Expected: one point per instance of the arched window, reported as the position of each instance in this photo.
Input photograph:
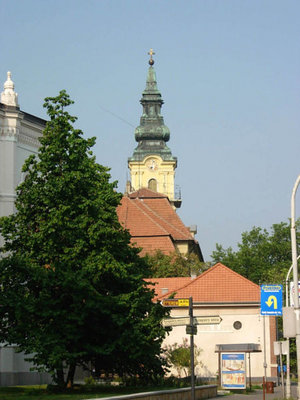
(152, 185)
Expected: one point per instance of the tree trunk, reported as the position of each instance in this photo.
(71, 373)
(60, 378)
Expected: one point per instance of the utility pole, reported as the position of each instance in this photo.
(295, 277)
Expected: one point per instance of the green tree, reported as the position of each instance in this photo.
(72, 287)
(262, 256)
(179, 356)
(174, 264)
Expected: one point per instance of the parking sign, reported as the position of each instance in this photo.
(271, 299)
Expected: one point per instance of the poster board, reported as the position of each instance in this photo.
(233, 370)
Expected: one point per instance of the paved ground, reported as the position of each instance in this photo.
(258, 395)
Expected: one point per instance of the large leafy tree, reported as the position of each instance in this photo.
(72, 288)
(174, 264)
(262, 256)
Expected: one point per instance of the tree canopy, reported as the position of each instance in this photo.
(72, 288)
(174, 265)
(262, 256)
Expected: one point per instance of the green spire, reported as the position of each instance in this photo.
(152, 134)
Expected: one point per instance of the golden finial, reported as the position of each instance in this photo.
(151, 53)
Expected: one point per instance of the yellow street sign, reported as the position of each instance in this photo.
(175, 302)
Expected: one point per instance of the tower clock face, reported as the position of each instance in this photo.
(152, 164)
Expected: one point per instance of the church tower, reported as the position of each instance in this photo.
(152, 165)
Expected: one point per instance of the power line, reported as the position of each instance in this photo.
(115, 115)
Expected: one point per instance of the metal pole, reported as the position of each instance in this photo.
(265, 361)
(288, 376)
(281, 369)
(295, 277)
(250, 384)
(192, 348)
(288, 379)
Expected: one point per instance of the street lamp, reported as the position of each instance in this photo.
(295, 278)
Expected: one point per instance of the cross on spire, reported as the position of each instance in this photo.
(151, 53)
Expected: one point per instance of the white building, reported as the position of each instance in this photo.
(230, 306)
(19, 132)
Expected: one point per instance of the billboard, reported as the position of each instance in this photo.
(233, 370)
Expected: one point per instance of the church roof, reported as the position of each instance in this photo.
(219, 284)
(152, 221)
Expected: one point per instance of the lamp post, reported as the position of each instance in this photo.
(295, 278)
(288, 379)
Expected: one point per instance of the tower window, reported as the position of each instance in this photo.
(152, 185)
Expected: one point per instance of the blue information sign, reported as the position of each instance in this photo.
(271, 299)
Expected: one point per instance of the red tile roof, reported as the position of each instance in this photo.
(219, 284)
(152, 222)
(169, 284)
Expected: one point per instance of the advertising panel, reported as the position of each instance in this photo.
(233, 370)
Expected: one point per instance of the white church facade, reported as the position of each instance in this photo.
(19, 132)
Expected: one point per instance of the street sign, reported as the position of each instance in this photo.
(292, 293)
(191, 330)
(281, 348)
(271, 299)
(181, 321)
(175, 302)
(289, 322)
(176, 321)
(209, 320)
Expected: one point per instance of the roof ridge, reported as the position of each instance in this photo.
(155, 195)
(209, 270)
(167, 222)
(235, 273)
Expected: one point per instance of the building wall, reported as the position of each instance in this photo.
(14, 370)
(19, 134)
(252, 331)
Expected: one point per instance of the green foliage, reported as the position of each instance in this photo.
(179, 356)
(174, 265)
(262, 256)
(72, 286)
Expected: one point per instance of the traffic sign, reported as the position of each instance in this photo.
(271, 299)
(191, 330)
(181, 321)
(175, 302)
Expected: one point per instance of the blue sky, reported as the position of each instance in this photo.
(228, 71)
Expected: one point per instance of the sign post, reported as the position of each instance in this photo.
(192, 347)
(270, 304)
(191, 323)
